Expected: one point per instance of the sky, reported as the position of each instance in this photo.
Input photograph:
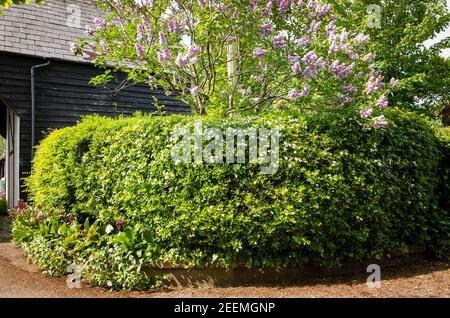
(440, 36)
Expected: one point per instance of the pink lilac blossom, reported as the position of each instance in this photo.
(393, 82)
(374, 84)
(366, 113)
(380, 122)
(195, 90)
(361, 38)
(383, 101)
(367, 58)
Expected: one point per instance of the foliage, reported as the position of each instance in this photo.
(5, 4)
(235, 56)
(399, 46)
(341, 192)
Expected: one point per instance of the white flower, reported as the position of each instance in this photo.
(109, 229)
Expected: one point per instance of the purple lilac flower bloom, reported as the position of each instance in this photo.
(320, 64)
(89, 55)
(100, 23)
(393, 82)
(383, 102)
(279, 41)
(310, 58)
(195, 90)
(305, 91)
(367, 58)
(201, 3)
(324, 10)
(164, 55)
(361, 38)
(380, 122)
(259, 53)
(305, 41)
(255, 100)
(374, 84)
(283, 5)
(330, 28)
(315, 25)
(162, 39)
(350, 89)
(139, 50)
(265, 30)
(293, 94)
(266, 10)
(366, 113)
(140, 32)
(181, 60)
(312, 4)
(193, 51)
(296, 68)
(252, 6)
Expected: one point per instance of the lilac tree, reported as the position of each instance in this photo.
(233, 55)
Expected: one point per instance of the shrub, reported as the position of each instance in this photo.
(341, 192)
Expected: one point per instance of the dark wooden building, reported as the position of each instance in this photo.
(38, 37)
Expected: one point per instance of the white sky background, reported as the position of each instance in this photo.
(440, 36)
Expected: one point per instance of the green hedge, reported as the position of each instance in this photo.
(341, 192)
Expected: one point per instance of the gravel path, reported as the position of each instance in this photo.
(423, 279)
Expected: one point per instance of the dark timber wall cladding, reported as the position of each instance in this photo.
(63, 95)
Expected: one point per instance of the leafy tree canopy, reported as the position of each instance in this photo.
(398, 44)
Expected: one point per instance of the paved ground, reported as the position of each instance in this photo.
(423, 279)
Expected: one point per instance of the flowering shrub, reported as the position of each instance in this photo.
(234, 55)
(340, 193)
